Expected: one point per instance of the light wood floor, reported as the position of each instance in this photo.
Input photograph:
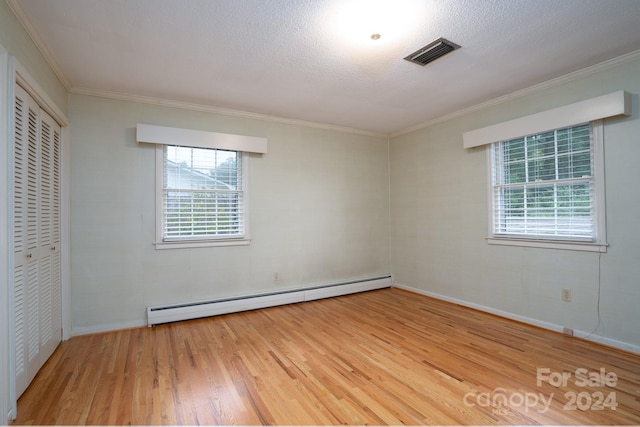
(381, 357)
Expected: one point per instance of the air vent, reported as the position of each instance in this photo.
(432, 51)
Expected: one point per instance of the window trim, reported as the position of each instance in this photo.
(598, 244)
(160, 243)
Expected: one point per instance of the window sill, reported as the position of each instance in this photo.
(549, 244)
(202, 243)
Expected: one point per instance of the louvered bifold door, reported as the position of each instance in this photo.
(48, 238)
(25, 219)
(56, 237)
(36, 238)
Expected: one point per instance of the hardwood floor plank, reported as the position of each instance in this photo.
(380, 357)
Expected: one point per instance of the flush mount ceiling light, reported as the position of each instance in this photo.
(434, 50)
(359, 22)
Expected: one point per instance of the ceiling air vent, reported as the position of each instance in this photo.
(432, 51)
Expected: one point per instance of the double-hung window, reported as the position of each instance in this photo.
(202, 194)
(544, 185)
(201, 185)
(546, 175)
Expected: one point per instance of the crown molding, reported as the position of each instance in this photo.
(31, 30)
(629, 57)
(26, 23)
(28, 83)
(28, 26)
(121, 96)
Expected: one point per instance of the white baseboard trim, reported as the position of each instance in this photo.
(107, 327)
(531, 321)
(172, 313)
(247, 302)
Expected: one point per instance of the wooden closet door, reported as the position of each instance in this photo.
(36, 238)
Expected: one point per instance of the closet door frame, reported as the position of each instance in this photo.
(18, 75)
(5, 194)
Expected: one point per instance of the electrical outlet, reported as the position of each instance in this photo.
(276, 276)
(567, 331)
(566, 295)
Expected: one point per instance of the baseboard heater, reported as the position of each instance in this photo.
(174, 313)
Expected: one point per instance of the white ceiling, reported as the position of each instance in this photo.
(287, 58)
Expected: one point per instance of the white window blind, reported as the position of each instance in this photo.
(544, 186)
(202, 194)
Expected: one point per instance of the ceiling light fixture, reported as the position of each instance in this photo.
(358, 22)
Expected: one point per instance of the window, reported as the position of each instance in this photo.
(201, 185)
(202, 199)
(202, 194)
(545, 187)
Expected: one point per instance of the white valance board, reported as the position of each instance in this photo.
(163, 135)
(601, 107)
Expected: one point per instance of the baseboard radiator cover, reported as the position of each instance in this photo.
(175, 313)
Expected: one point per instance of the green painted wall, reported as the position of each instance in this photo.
(319, 214)
(439, 214)
(18, 44)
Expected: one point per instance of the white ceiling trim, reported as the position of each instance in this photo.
(629, 57)
(28, 83)
(50, 59)
(37, 40)
(120, 96)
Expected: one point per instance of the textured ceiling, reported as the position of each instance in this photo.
(289, 58)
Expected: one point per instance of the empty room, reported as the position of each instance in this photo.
(319, 212)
